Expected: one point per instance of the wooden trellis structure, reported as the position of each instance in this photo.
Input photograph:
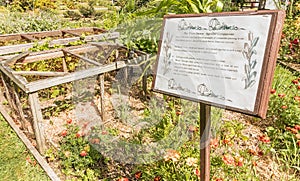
(58, 37)
(250, 4)
(94, 66)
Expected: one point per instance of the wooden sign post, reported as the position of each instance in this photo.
(204, 143)
(225, 60)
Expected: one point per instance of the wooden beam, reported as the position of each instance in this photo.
(43, 34)
(55, 53)
(4, 50)
(20, 81)
(291, 68)
(102, 37)
(28, 37)
(102, 91)
(37, 121)
(101, 44)
(80, 31)
(43, 84)
(82, 57)
(95, 29)
(53, 33)
(69, 32)
(10, 37)
(29, 146)
(40, 73)
(14, 59)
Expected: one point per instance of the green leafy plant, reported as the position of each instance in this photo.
(19, 22)
(140, 33)
(74, 14)
(26, 5)
(161, 8)
(78, 157)
(290, 49)
(87, 10)
(284, 111)
(284, 99)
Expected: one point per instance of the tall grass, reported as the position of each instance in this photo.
(16, 163)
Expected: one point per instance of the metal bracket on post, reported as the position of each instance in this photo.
(205, 123)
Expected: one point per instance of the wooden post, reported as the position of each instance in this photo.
(37, 119)
(13, 100)
(24, 122)
(101, 82)
(8, 95)
(144, 85)
(204, 143)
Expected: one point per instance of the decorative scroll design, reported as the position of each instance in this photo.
(201, 90)
(213, 25)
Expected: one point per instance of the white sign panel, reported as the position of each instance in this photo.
(213, 59)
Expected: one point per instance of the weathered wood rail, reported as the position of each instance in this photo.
(59, 37)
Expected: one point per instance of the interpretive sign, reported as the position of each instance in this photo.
(221, 59)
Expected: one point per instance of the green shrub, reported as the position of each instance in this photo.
(20, 22)
(86, 10)
(162, 7)
(74, 14)
(284, 101)
(25, 5)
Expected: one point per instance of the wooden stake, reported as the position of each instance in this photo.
(37, 119)
(205, 124)
(101, 82)
(144, 85)
(24, 122)
(65, 67)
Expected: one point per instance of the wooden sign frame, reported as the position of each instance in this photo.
(268, 57)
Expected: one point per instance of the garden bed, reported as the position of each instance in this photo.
(16, 43)
(31, 72)
(55, 74)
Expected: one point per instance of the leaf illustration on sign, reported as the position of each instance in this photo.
(167, 53)
(249, 67)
